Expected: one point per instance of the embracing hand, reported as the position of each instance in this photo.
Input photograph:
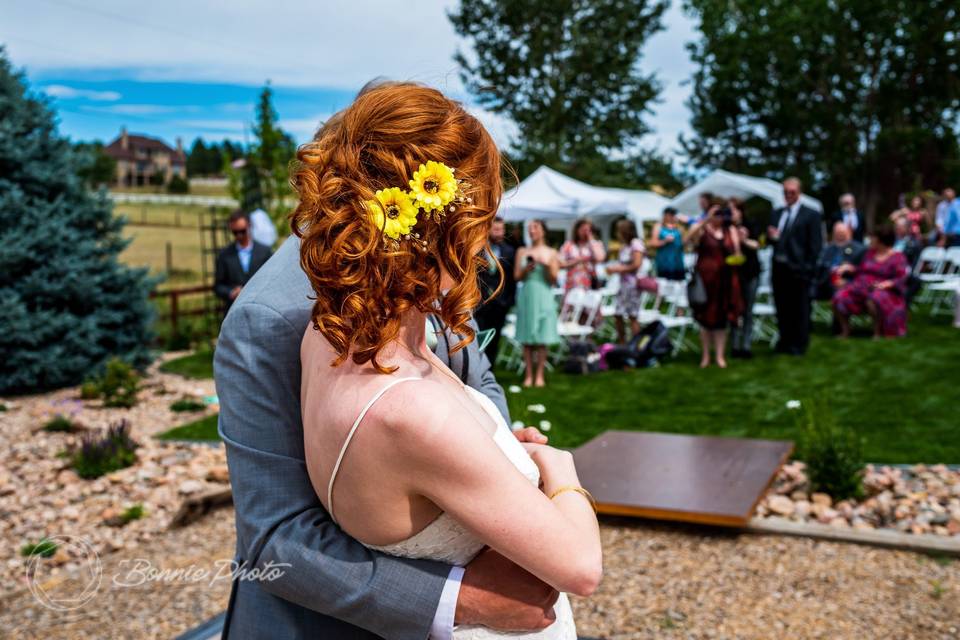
(499, 594)
(531, 435)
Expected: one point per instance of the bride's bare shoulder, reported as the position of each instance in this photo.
(416, 415)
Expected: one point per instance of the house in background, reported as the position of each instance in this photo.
(142, 160)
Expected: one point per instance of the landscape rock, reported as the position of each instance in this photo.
(822, 499)
(781, 505)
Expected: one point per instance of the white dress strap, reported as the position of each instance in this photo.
(353, 430)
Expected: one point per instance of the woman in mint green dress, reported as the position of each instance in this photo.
(536, 267)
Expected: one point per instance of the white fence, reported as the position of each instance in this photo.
(170, 198)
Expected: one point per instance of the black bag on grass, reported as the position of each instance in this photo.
(582, 358)
(648, 346)
(653, 341)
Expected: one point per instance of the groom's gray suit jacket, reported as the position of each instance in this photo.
(334, 587)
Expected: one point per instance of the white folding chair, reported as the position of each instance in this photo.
(945, 292)
(764, 286)
(510, 352)
(578, 315)
(676, 318)
(765, 322)
(650, 304)
(929, 269)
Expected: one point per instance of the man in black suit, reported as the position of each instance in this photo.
(850, 216)
(237, 263)
(796, 232)
(493, 314)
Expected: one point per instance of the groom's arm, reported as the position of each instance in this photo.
(278, 516)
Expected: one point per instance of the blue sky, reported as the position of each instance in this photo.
(183, 68)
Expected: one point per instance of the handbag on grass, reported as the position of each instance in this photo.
(696, 291)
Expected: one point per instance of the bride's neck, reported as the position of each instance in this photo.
(413, 331)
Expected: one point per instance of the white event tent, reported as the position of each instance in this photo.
(559, 200)
(734, 185)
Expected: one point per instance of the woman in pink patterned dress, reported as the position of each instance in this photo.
(916, 214)
(580, 256)
(878, 288)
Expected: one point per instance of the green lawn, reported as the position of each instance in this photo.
(195, 365)
(901, 395)
(202, 429)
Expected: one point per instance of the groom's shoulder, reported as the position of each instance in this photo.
(279, 291)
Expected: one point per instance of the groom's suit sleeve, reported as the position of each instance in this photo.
(278, 515)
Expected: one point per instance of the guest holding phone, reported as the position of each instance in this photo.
(536, 267)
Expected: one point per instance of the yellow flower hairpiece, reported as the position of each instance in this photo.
(433, 190)
(393, 212)
(433, 186)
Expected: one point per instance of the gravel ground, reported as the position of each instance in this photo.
(661, 581)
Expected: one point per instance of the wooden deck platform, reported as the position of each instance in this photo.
(707, 480)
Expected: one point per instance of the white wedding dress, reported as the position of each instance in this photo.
(446, 541)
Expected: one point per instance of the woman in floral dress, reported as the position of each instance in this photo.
(580, 256)
(878, 288)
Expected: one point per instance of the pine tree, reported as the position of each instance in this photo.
(271, 154)
(66, 303)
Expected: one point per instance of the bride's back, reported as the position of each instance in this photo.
(353, 417)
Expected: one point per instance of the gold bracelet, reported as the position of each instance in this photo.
(580, 490)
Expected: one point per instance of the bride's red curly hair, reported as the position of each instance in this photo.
(362, 287)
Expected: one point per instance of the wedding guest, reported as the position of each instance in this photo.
(667, 238)
(492, 314)
(741, 334)
(951, 230)
(943, 214)
(906, 243)
(705, 200)
(716, 241)
(580, 256)
(237, 262)
(841, 250)
(850, 216)
(536, 267)
(878, 288)
(916, 214)
(796, 232)
(628, 264)
(910, 246)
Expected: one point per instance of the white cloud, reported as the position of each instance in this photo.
(303, 128)
(314, 44)
(235, 127)
(501, 128)
(69, 93)
(142, 109)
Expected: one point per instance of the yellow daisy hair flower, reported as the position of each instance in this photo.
(433, 186)
(393, 211)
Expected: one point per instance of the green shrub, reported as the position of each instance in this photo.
(3, 407)
(59, 423)
(178, 185)
(834, 455)
(45, 548)
(90, 389)
(118, 385)
(134, 512)
(186, 404)
(99, 455)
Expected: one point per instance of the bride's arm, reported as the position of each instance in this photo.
(441, 452)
